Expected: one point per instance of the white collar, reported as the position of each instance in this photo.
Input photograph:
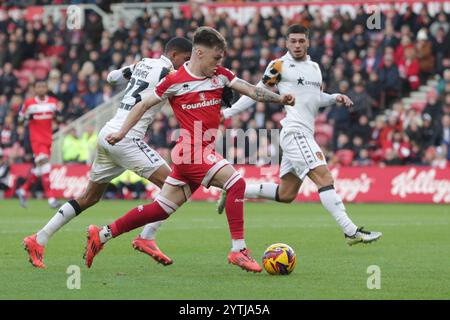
(41, 101)
(289, 56)
(190, 73)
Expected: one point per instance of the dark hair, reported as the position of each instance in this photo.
(178, 44)
(297, 28)
(209, 37)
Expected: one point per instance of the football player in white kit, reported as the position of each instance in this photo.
(295, 72)
(132, 153)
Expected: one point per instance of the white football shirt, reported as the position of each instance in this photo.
(146, 74)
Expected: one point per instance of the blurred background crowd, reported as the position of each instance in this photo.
(375, 68)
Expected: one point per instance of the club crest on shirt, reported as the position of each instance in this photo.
(319, 155)
(202, 96)
(215, 82)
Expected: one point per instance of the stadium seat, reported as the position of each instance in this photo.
(29, 64)
(326, 129)
(46, 64)
(40, 73)
(345, 157)
(321, 118)
(23, 82)
(322, 139)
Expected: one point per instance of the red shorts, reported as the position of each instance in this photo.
(194, 175)
(41, 150)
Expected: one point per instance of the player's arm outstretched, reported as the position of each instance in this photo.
(133, 117)
(327, 100)
(242, 104)
(261, 94)
(271, 78)
(120, 76)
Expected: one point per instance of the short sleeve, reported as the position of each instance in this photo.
(227, 75)
(272, 75)
(166, 87)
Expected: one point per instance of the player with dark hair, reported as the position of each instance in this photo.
(194, 93)
(302, 156)
(39, 112)
(131, 154)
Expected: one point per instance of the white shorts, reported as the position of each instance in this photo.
(301, 153)
(129, 154)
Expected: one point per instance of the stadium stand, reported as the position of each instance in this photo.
(398, 76)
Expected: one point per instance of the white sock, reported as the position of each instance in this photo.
(149, 232)
(238, 245)
(63, 216)
(261, 190)
(105, 234)
(333, 203)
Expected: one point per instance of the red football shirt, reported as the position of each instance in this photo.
(195, 101)
(40, 114)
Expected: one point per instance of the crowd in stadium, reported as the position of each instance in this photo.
(375, 68)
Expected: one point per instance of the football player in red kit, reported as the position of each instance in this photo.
(39, 112)
(194, 92)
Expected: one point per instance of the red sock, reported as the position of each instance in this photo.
(46, 185)
(138, 217)
(32, 179)
(234, 208)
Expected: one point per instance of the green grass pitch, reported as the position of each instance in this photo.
(413, 255)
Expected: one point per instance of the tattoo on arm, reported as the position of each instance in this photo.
(259, 93)
(265, 95)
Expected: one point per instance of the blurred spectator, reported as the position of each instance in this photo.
(88, 145)
(376, 69)
(409, 71)
(4, 174)
(429, 132)
(93, 27)
(374, 89)
(443, 134)
(429, 156)
(389, 79)
(441, 48)
(127, 186)
(416, 155)
(433, 108)
(414, 133)
(71, 147)
(389, 39)
(8, 80)
(8, 134)
(362, 129)
(157, 135)
(362, 101)
(425, 55)
(93, 97)
(397, 148)
(371, 60)
(362, 158)
(440, 23)
(441, 159)
(260, 114)
(343, 142)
